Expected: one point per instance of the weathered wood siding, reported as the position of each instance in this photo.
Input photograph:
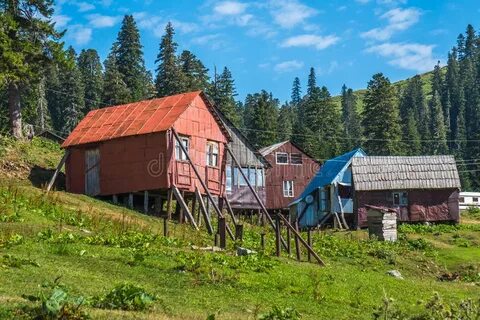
(299, 174)
(423, 205)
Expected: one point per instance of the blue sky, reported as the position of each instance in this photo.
(268, 43)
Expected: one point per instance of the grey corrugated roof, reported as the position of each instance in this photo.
(267, 150)
(397, 173)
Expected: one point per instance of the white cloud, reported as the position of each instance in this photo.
(410, 56)
(205, 39)
(157, 24)
(288, 14)
(81, 35)
(229, 8)
(84, 6)
(311, 40)
(397, 20)
(288, 66)
(101, 21)
(61, 20)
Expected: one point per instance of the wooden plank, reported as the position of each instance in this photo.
(278, 235)
(57, 170)
(342, 214)
(203, 210)
(130, 200)
(230, 211)
(92, 172)
(184, 206)
(297, 243)
(222, 228)
(145, 201)
(169, 204)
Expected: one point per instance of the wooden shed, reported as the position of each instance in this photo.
(290, 172)
(251, 162)
(137, 147)
(422, 188)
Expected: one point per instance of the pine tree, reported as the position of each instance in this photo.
(28, 42)
(169, 78)
(285, 120)
(350, 119)
(454, 91)
(129, 60)
(470, 42)
(381, 118)
(312, 81)
(195, 73)
(261, 114)
(43, 119)
(296, 92)
(413, 145)
(437, 126)
(223, 93)
(115, 90)
(92, 76)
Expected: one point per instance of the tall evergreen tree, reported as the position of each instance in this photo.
(92, 76)
(296, 92)
(115, 90)
(437, 126)
(223, 93)
(43, 119)
(312, 81)
(130, 63)
(261, 114)
(28, 42)
(169, 78)
(381, 118)
(285, 122)
(350, 119)
(195, 73)
(454, 90)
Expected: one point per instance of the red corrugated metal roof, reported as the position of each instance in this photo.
(136, 118)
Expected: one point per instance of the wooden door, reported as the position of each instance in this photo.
(92, 172)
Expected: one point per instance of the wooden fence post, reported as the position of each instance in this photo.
(297, 243)
(262, 241)
(289, 246)
(278, 235)
(222, 231)
(165, 226)
(309, 241)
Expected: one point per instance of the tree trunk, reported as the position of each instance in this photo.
(15, 110)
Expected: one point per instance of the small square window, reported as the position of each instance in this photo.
(475, 199)
(212, 154)
(296, 158)
(288, 189)
(282, 157)
(461, 200)
(400, 199)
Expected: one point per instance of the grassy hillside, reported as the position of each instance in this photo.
(63, 243)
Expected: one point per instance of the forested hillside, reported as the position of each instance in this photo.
(44, 85)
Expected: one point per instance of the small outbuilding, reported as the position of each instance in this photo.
(421, 189)
(290, 172)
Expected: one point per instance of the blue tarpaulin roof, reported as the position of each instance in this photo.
(329, 171)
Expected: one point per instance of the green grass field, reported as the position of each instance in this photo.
(91, 246)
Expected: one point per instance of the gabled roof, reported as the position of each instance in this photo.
(143, 117)
(401, 173)
(231, 127)
(330, 170)
(267, 150)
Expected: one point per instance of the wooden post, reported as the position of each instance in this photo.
(115, 199)
(169, 204)
(309, 241)
(165, 226)
(130, 200)
(289, 247)
(57, 170)
(145, 201)
(262, 241)
(278, 235)
(239, 232)
(203, 211)
(194, 207)
(297, 244)
(184, 206)
(222, 224)
(158, 206)
(181, 213)
(230, 211)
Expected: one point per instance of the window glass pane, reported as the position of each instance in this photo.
(396, 199)
(251, 176)
(461, 199)
(288, 188)
(228, 173)
(241, 180)
(282, 157)
(296, 158)
(260, 178)
(179, 154)
(475, 199)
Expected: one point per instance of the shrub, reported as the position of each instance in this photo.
(281, 314)
(125, 296)
(473, 212)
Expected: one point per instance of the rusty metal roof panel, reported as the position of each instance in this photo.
(142, 117)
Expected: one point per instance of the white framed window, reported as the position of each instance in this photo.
(229, 178)
(179, 154)
(241, 181)
(260, 178)
(400, 199)
(212, 154)
(475, 199)
(281, 157)
(296, 158)
(288, 189)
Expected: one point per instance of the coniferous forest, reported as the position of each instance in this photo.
(44, 85)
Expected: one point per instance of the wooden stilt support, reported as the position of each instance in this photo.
(309, 241)
(184, 206)
(278, 235)
(115, 199)
(158, 206)
(289, 246)
(239, 232)
(230, 211)
(203, 211)
(262, 241)
(165, 226)
(297, 243)
(145, 201)
(57, 170)
(130, 200)
(169, 204)
(222, 231)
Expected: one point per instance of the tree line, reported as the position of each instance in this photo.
(47, 86)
